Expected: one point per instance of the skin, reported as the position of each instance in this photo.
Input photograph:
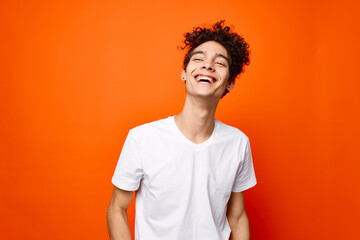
(196, 122)
(237, 217)
(117, 221)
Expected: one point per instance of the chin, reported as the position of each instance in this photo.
(205, 95)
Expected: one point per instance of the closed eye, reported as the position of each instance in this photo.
(220, 63)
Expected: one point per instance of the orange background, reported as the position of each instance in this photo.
(77, 75)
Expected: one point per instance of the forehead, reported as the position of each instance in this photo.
(212, 47)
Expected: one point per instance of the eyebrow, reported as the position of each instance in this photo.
(218, 55)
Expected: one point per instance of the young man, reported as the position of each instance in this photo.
(189, 171)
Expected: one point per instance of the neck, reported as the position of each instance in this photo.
(196, 120)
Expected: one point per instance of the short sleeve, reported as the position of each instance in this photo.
(128, 172)
(245, 177)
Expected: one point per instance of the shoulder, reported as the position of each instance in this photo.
(233, 133)
(151, 128)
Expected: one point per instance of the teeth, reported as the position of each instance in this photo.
(204, 78)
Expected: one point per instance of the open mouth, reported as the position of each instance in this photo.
(205, 79)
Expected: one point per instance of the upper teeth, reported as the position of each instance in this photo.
(198, 78)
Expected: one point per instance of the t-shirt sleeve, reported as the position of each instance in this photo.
(129, 172)
(245, 177)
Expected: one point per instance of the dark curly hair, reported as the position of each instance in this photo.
(235, 45)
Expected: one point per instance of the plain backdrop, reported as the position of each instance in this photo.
(77, 75)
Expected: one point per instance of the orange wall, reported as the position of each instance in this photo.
(77, 75)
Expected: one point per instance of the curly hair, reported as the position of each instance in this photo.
(235, 45)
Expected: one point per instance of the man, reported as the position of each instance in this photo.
(189, 170)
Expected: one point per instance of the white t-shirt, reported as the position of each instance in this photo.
(182, 187)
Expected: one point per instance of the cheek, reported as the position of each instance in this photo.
(225, 74)
(190, 68)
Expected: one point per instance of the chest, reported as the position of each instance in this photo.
(172, 168)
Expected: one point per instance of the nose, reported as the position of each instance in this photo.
(208, 66)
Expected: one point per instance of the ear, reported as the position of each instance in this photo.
(183, 75)
(231, 85)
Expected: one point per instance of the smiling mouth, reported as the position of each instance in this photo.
(205, 79)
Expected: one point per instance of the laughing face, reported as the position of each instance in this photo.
(207, 72)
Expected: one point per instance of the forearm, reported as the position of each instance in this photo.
(240, 229)
(118, 226)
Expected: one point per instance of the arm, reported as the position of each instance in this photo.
(117, 222)
(237, 217)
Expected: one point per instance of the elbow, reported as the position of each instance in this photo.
(115, 210)
(238, 219)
